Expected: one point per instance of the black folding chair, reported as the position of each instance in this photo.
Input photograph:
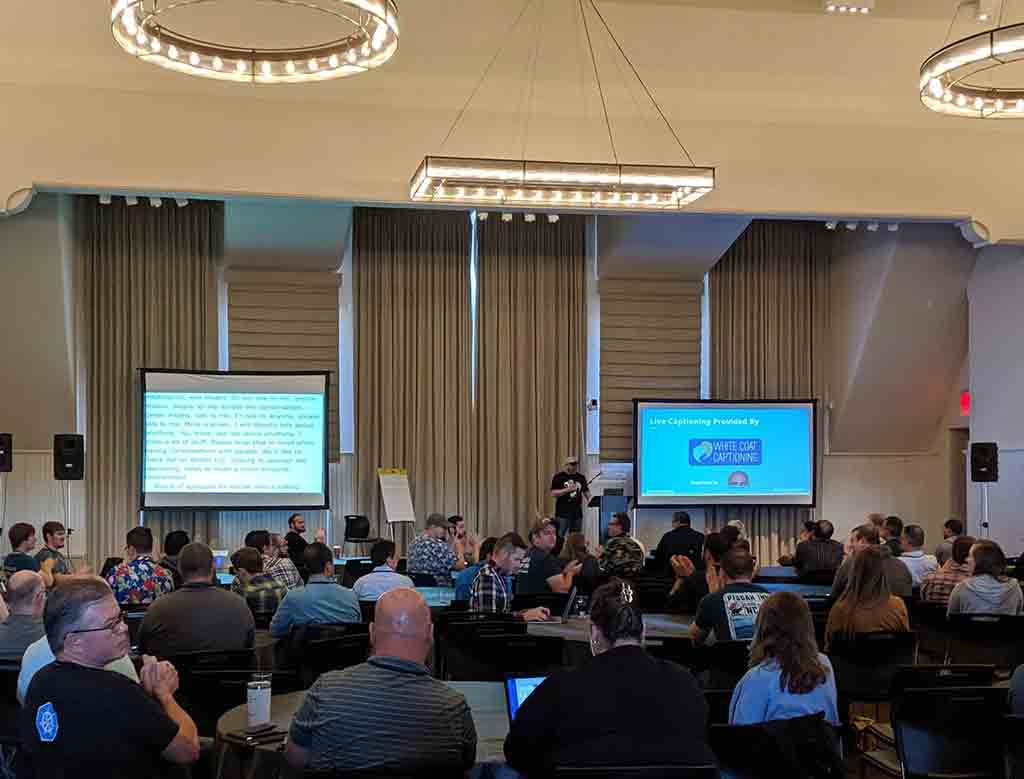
(211, 683)
(805, 747)
(1013, 739)
(950, 731)
(909, 677)
(423, 579)
(866, 664)
(992, 639)
(316, 649)
(488, 655)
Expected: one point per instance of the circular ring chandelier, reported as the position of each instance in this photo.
(946, 76)
(137, 28)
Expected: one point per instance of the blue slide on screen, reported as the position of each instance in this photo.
(706, 453)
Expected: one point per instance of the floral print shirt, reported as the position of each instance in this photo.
(140, 581)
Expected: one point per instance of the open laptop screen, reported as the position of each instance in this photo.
(517, 690)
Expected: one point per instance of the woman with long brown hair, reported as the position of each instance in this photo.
(575, 548)
(788, 677)
(867, 605)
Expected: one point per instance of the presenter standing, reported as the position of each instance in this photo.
(569, 489)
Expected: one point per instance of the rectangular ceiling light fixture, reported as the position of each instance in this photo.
(561, 185)
(852, 8)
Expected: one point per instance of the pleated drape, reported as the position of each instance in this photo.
(413, 357)
(769, 301)
(532, 362)
(145, 293)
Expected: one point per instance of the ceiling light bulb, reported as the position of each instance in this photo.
(894, 228)
(482, 216)
(842, 9)
(579, 196)
(948, 97)
(979, 103)
(1020, 105)
(936, 88)
(377, 44)
(366, 49)
(154, 45)
(865, 10)
(141, 38)
(506, 217)
(172, 52)
(265, 67)
(530, 217)
(240, 67)
(193, 59)
(961, 100)
(181, 201)
(105, 200)
(333, 60)
(519, 194)
(499, 193)
(872, 227)
(311, 65)
(480, 192)
(461, 192)
(552, 218)
(218, 63)
(983, 17)
(290, 66)
(851, 226)
(156, 202)
(831, 9)
(831, 225)
(131, 200)
(351, 55)
(999, 105)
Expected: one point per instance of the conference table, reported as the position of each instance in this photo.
(578, 628)
(776, 573)
(264, 759)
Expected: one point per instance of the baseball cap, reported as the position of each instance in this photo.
(437, 520)
(572, 459)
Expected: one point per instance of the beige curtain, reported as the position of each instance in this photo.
(769, 301)
(531, 364)
(413, 357)
(146, 298)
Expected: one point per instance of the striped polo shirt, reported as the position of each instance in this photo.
(386, 713)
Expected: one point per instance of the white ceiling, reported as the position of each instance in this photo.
(802, 112)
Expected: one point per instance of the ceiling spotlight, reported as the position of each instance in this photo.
(530, 217)
(181, 201)
(894, 228)
(552, 218)
(482, 216)
(831, 225)
(156, 202)
(131, 200)
(872, 227)
(984, 10)
(851, 225)
(849, 8)
(104, 200)
(506, 217)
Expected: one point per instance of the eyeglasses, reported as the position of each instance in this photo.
(111, 626)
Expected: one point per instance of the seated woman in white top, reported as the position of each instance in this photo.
(788, 677)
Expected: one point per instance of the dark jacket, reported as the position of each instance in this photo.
(624, 707)
(679, 540)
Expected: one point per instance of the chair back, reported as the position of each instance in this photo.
(133, 616)
(996, 639)
(1013, 738)
(423, 579)
(9, 706)
(718, 702)
(727, 661)
(934, 676)
(805, 747)
(636, 772)
(487, 655)
(866, 663)
(950, 731)
(357, 527)
(317, 649)
(367, 609)
(555, 602)
(211, 683)
(354, 569)
(823, 578)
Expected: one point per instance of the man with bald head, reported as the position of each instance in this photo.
(348, 720)
(26, 596)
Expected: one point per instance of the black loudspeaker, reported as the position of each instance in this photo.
(985, 462)
(68, 457)
(6, 452)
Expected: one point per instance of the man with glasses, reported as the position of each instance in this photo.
(80, 719)
(545, 572)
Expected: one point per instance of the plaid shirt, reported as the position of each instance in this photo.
(936, 586)
(283, 571)
(139, 581)
(489, 592)
(262, 593)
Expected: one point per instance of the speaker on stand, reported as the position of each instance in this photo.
(984, 471)
(6, 466)
(68, 466)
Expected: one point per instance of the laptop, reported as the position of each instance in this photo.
(517, 690)
(564, 616)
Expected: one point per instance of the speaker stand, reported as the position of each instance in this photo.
(69, 531)
(984, 530)
(3, 506)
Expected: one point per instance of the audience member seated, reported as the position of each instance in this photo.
(788, 677)
(918, 563)
(80, 720)
(384, 576)
(200, 617)
(728, 611)
(261, 592)
(867, 604)
(819, 554)
(741, 530)
(491, 591)
(39, 655)
(322, 601)
(23, 540)
(988, 590)
(138, 580)
(575, 549)
(389, 713)
(544, 572)
(952, 529)
(896, 573)
(730, 534)
(891, 535)
(680, 540)
(622, 556)
(276, 562)
(691, 582)
(465, 577)
(173, 544)
(937, 586)
(806, 534)
(26, 596)
(624, 707)
(465, 545)
(432, 553)
(54, 539)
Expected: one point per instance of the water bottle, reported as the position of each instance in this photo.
(258, 701)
